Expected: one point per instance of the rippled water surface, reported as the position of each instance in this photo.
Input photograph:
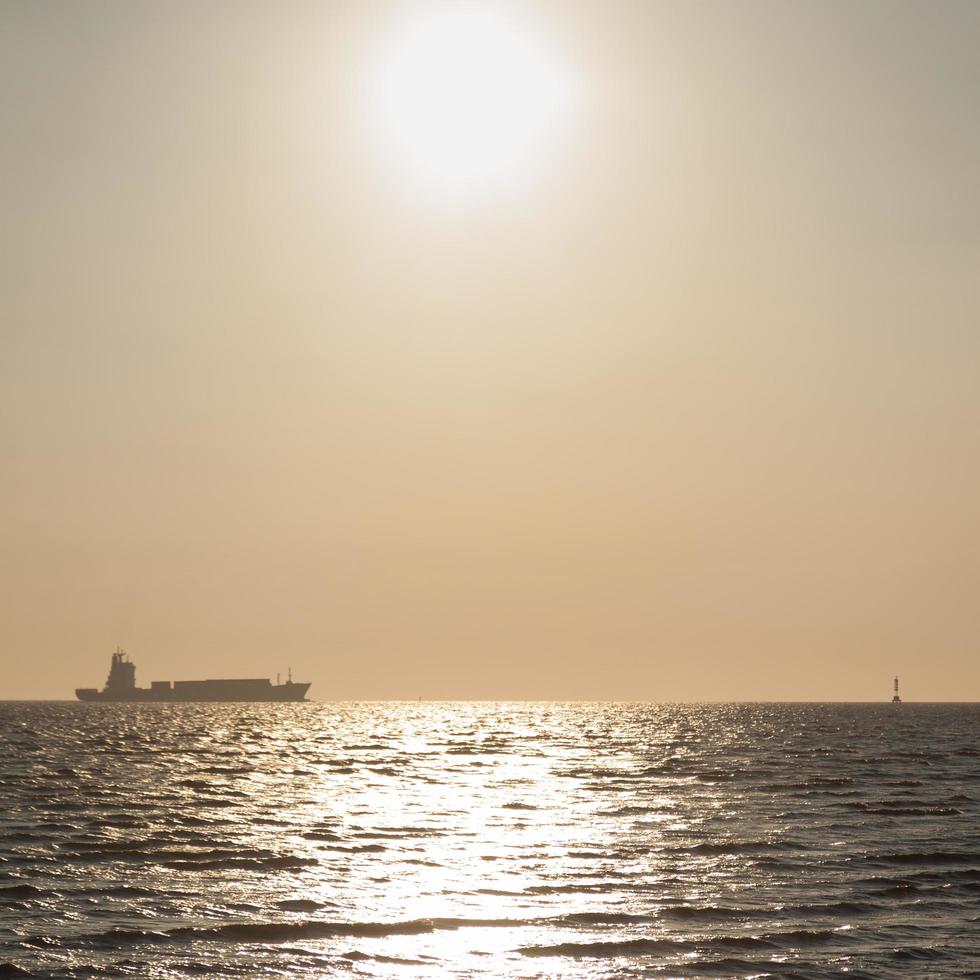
(502, 840)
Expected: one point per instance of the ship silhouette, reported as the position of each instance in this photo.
(121, 686)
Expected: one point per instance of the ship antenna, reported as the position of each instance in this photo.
(290, 675)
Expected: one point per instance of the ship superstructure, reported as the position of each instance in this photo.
(121, 686)
(895, 698)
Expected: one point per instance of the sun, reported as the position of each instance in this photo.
(466, 97)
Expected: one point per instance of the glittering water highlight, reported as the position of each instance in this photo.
(486, 839)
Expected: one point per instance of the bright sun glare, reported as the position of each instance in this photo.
(466, 96)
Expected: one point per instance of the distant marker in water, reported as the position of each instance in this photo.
(896, 699)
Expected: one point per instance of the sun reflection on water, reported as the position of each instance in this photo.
(475, 839)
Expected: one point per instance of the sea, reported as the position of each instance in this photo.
(489, 840)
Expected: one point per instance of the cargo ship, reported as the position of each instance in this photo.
(121, 686)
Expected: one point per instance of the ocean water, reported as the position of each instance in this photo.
(482, 839)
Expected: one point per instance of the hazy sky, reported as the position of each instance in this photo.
(681, 403)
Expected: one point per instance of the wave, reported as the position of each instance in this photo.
(741, 847)
(628, 947)
(674, 947)
(245, 932)
(924, 857)
(280, 932)
(21, 891)
(716, 913)
(703, 913)
(242, 864)
(356, 956)
(12, 970)
(299, 905)
(571, 889)
(920, 953)
(119, 891)
(894, 811)
(264, 932)
(600, 919)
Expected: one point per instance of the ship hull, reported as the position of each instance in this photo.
(274, 693)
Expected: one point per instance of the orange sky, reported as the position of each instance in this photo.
(682, 405)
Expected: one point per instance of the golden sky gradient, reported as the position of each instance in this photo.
(679, 403)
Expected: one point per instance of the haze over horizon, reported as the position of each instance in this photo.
(668, 393)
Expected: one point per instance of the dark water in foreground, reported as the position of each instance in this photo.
(500, 840)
